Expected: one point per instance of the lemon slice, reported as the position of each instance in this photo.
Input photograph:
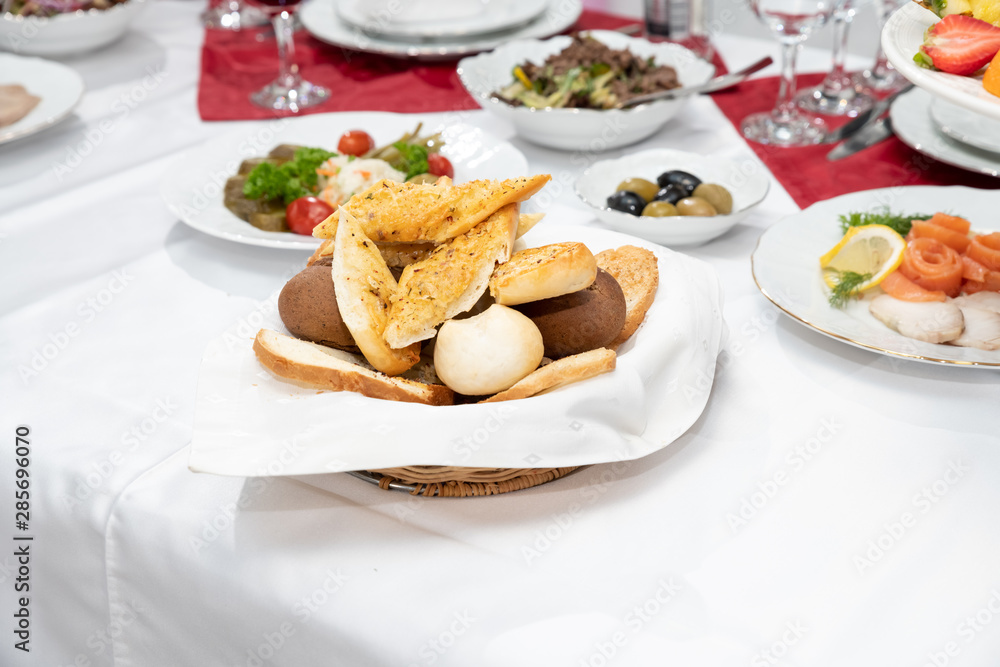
(872, 249)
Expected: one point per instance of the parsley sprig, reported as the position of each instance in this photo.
(289, 181)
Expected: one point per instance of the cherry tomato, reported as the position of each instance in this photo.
(305, 213)
(439, 165)
(355, 142)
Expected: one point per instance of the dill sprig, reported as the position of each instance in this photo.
(899, 222)
(847, 287)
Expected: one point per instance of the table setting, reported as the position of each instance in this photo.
(605, 331)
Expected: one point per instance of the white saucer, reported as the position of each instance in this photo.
(320, 18)
(969, 127)
(59, 87)
(911, 120)
(438, 19)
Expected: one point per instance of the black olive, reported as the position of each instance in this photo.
(672, 193)
(627, 202)
(677, 177)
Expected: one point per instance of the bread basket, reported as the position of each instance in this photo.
(459, 482)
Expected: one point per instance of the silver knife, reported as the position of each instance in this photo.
(878, 131)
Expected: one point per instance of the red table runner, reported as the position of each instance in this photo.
(809, 177)
(236, 63)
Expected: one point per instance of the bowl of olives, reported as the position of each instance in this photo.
(672, 197)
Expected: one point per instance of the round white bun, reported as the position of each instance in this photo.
(487, 353)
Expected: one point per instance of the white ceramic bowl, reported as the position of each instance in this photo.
(746, 180)
(579, 129)
(73, 32)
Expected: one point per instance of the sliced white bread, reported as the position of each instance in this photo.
(336, 370)
(558, 373)
(637, 273)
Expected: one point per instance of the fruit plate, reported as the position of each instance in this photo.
(192, 186)
(901, 39)
(785, 266)
(249, 423)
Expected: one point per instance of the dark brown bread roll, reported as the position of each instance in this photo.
(581, 321)
(308, 307)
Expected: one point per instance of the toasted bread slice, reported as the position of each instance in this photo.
(544, 272)
(391, 212)
(364, 289)
(336, 370)
(558, 373)
(637, 273)
(527, 221)
(325, 249)
(451, 280)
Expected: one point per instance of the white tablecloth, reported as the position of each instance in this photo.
(831, 507)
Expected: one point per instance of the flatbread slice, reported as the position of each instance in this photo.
(364, 288)
(637, 273)
(451, 280)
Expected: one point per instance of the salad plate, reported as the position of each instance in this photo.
(193, 186)
(322, 20)
(785, 266)
(59, 87)
(914, 125)
(901, 39)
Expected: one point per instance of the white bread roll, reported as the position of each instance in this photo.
(487, 353)
(542, 273)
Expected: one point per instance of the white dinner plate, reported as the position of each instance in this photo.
(437, 19)
(248, 422)
(192, 186)
(966, 126)
(901, 39)
(59, 87)
(912, 122)
(320, 18)
(785, 266)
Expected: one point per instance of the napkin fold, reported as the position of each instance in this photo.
(236, 63)
(809, 177)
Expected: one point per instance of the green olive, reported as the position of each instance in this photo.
(422, 178)
(660, 209)
(717, 196)
(645, 189)
(695, 206)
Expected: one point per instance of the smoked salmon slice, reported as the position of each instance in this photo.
(955, 240)
(899, 286)
(933, 265)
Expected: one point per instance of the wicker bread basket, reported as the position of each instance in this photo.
(458, 482)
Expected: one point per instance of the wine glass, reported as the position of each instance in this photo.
(289, 92)
(233, 15)
(882, 77)
(836, 95)
(792, 21)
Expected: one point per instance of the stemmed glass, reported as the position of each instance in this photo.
(882, 77)
(792, 21)
(836, 95)
(289, 92)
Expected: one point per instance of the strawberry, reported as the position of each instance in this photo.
(959, 44)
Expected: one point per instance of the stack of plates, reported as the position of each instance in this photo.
(947, 132)
(435, 29)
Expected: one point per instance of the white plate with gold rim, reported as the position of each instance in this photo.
(785, 267)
